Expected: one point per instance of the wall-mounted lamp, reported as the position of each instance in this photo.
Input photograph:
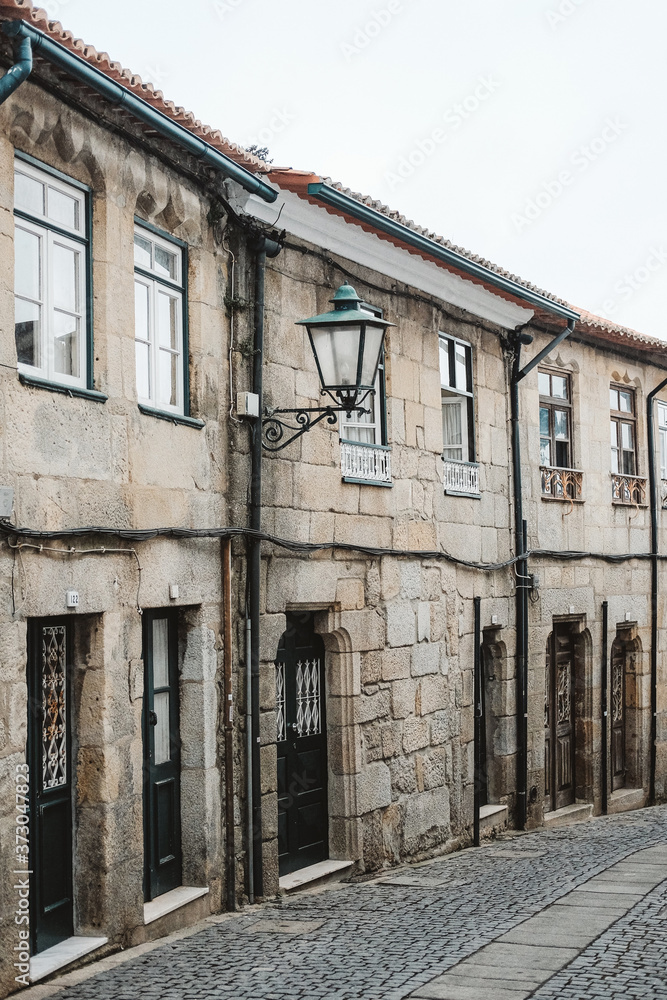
(347, 345)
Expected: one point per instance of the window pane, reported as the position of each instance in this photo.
(563, 454)
(167, 378)
(662, 415)
(142, 357)
(65, 278)
(626, 437)
(545, 451)
(65, 344)
(27, 264)
(614, 459)
(452, 427)
(544, 420)
(613, 399)
(167, 321)
(143, 255)
(161, 728)
(363, 434)
(460, 367)
(626, 402)
(62, 209)
(28, 194)
(543, 384)
(560, 423)
(628, 463)
(27, 333)
(444, 362)
(559, 387)
(166, 263)
(141, 311)
(663, 454)
(160, 653)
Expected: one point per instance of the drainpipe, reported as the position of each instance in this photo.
(477, 699)
(521, 615)
(653, 500)
(263, 248)
(17, 73)
(229, 725)
(120, 96)
(604, 686)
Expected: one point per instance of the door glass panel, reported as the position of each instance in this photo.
(308, 714)
(54, 707)
(28, 194)
(160, 653)
(161, 728)
(563, 454)
(27, 264)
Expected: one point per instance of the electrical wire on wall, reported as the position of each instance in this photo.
(72, 551)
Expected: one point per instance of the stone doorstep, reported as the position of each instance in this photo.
(170, 901)
(625, 799)
(323, 871)
(492, 817)
(576, 813)
(64, 953)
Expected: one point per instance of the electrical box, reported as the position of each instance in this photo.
(72, 599)
(247, 404)
(6, 501)
(173, 591)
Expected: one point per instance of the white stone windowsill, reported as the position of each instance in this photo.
(312, 874)
(170, 901)
(62, 954)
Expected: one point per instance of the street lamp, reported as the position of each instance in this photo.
(347, 345)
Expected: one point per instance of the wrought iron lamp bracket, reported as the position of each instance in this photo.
(305, 417)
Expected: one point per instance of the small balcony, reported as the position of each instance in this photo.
(561, 484)
(628, 490)
(461, 478)
(365, 463)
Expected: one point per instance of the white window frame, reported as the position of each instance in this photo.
(158, 284)
(455, 395)
(662, 433)
(375, 401)
(50, 234)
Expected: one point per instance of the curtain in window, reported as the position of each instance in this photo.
(452, 430)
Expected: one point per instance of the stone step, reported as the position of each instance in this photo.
(576, 813)
(492, 819)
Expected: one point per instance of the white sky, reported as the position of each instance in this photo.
(552, 165)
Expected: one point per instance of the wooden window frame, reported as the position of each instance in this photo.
(617, 418)
(553, 403)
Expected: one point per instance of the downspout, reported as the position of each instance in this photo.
(604, 688)
(17, 73)
(521, 548)
(230, 850)
(477, 699)
(263, 248)
(120, 96)
(653, 502)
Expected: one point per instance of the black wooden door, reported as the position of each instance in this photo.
(559, 719)
(617, 716)
(50, 773)
(303, 837)
(162, 757)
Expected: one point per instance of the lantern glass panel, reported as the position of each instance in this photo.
(337, 350)
(372, 348)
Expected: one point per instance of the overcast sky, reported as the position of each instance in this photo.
(532, 132)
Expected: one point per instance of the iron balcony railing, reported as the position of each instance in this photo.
(629, 490)
(561, 484)
(461, 477)
(366, 463)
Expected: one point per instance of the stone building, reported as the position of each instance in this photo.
(200, 709)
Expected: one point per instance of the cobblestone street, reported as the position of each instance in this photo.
(390, 937)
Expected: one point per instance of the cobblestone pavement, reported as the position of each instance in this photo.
(382, 939)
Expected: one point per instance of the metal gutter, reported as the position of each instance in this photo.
(337, 199)
(120, 96)
(17, 73)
